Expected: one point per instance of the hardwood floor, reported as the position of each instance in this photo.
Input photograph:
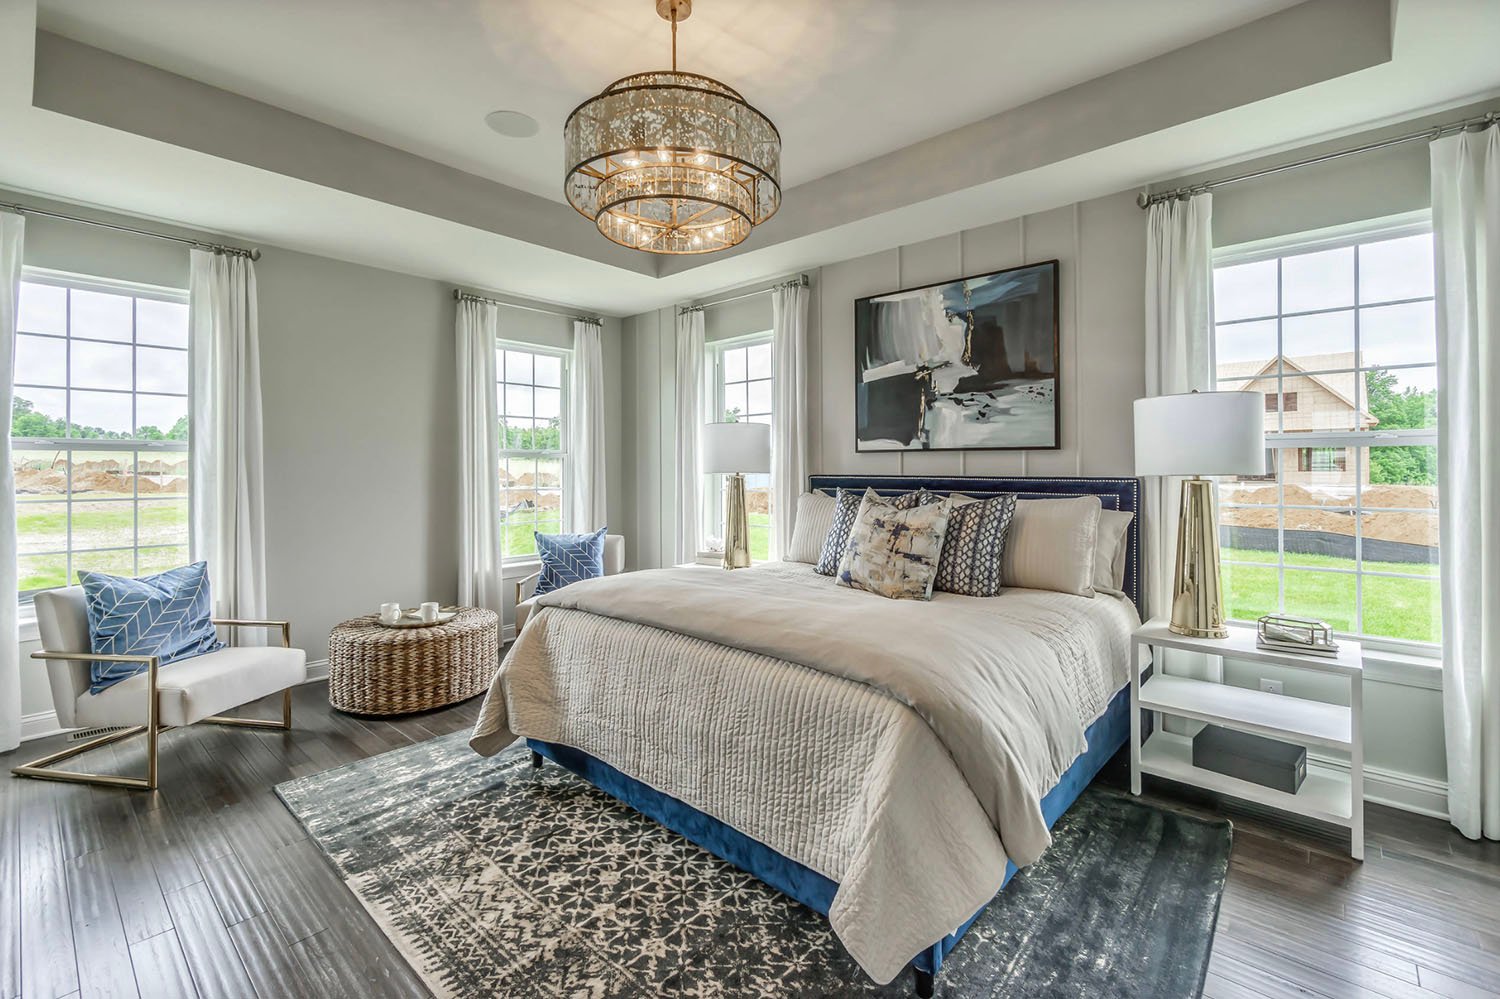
(210, 888)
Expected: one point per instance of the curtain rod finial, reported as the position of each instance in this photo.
(1142, 200)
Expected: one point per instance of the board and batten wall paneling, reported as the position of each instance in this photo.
(1100, 246)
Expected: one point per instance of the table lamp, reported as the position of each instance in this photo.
(1198, 434)
(734, 449)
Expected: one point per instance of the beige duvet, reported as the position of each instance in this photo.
(899, 748)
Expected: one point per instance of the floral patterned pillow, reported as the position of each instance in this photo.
(893, 551)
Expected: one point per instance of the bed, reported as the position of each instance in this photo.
(798, 730)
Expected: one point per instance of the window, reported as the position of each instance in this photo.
(1339, 333)
(741, 390)
(532, 399)
(99, 430)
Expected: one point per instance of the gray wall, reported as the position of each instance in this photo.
(1101, 247)
(357, 368)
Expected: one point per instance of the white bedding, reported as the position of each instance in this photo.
(763, 722)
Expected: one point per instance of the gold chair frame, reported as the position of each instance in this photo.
(41, 769)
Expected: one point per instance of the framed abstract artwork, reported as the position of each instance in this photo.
(970, 364)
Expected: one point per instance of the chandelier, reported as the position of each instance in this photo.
(671, 162)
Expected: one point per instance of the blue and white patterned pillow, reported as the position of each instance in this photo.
(567, 558)
(168, 615)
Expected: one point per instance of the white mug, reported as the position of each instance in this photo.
(429, 611)
(390, 613)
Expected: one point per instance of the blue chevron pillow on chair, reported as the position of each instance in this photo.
(567, 558)
(167, 615)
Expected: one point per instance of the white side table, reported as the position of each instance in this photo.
(1326, 796)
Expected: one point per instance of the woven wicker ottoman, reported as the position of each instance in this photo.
(374, 670)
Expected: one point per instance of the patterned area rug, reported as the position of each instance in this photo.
(494, 879)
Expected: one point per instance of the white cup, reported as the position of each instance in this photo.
(429, 611)
(390, 613)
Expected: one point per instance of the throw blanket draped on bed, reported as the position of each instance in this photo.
(1006, 685)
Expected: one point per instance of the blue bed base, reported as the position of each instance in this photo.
(1105, 737)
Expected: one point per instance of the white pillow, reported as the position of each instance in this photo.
(1109, 555)
(1051, 545)
(814, 518)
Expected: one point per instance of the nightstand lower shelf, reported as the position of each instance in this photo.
(1324, 795)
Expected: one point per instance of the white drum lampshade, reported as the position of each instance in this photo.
(1201, 433)
(734, 449)
(1197, 434)
(737, 448)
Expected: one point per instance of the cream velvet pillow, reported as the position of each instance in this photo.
(1109, 556)
(814, 518)
(1051, 545)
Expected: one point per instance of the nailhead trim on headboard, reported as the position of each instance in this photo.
(1122, 494)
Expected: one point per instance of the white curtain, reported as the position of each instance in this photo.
(479, 547)
(587, 509)
(226, 519)
(1466, 243)
(789, 425)
(12, 235)
(690, 416)
(1179, 324)
(1179, 352)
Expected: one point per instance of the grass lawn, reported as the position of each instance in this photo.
(1394, 608)
(44, 527)
(760, 537)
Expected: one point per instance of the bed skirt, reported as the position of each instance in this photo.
(1105, 737)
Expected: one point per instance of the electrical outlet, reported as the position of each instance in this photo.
(1271, 686)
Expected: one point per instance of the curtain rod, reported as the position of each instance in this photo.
(459, 295)
(1490, 118)
(233, 251)
(799, 281)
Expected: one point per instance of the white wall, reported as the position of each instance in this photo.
(1101, 247)
(360, 426)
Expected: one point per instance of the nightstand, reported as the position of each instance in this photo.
(1324, 795)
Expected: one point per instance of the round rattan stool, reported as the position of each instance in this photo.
(375, 670)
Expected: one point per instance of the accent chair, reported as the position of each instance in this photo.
(157, 698)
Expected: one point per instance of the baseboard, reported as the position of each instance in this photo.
(507, 634)
(317, 670)
(1408, 792)
(40, 725)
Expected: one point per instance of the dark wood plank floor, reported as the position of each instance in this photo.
(210, 888)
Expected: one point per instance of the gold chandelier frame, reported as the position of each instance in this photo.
(672, 162)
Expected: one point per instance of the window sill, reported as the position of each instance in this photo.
(1404, 669)
(519, 568)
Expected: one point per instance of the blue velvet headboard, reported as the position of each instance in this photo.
(1115, 494)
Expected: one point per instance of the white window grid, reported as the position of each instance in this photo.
(1279, 443)
(717, 395)
(69, 444)
(561, 454)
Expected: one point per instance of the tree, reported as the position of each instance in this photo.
(1400, 409)
(25, 421)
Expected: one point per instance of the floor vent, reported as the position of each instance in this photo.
(85, 734)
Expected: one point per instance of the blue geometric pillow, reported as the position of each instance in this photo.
(567, 558)
(167, 615)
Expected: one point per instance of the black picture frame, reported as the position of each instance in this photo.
(886, 411)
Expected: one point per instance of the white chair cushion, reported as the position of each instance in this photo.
(523, 611)
(192, 689)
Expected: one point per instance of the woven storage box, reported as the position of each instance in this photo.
(374, 670)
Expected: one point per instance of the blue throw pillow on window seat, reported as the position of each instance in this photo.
(567, 558)
(168, 615)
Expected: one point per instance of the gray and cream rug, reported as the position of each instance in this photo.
(494, 879)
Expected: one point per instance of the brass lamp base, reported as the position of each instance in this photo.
(1197, 591)
(736, 524)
